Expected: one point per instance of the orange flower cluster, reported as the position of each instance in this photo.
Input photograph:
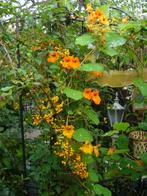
(49, 117)
(92, 95)
(72, 159)
(62, 52)
(53, 57)
(36, 119)
(96, 17)
(79, 167)
(88, 148)
(70, 62)
(66, 152)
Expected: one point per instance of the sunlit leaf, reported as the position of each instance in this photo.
(73, 94)
(82, 135)
(85, 39)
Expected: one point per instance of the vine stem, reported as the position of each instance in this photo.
(116, 8)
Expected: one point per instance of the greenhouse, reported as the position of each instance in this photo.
(73, 98)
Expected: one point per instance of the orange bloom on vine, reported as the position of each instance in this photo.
(70, 62)
(95, 97)
(92, 95)
(98, 13)
(87, 93)
(53, 57)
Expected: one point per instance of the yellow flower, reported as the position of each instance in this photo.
(89, 8)
(111, 151)
(68, 131)
(36, 119)
(55, 99)
(104, 20)
(96, 150)
(48, 117)
(125, 19)
(59, 107)
(87, 148)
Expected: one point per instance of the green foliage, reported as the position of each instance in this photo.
(82, 135)
(85, 39)
(101, 190)
(92, 116)
(73, 94)
(142, 86)
(121, 126)
(92, 67)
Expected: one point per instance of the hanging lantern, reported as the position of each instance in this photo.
(116, 112)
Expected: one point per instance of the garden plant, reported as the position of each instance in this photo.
(61, 63)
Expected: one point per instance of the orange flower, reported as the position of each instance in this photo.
(98, 13)
(53, 57)
(70, 62)
(104, 20)
(87, 93)
(95, 97)
(68, 131)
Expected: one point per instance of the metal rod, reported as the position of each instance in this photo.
(21, 117)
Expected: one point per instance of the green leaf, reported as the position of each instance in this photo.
(7, 88)
(101, 190)
(110, 133)
(92, 67)
(92, 116)
(93, 175)
(141, 85)
(121, 151)
(82, 135)
(110, 51)
(122, 142)
(114, 39)
(121, 126)
(85, 39)
(88, 159)
(73, 94)
(130, 25)
(142, 126)
(105, 9)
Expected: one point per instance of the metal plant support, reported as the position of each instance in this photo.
(21, 124)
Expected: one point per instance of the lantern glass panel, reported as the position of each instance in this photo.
(115, 115)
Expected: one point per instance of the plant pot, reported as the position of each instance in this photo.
(138, 143)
